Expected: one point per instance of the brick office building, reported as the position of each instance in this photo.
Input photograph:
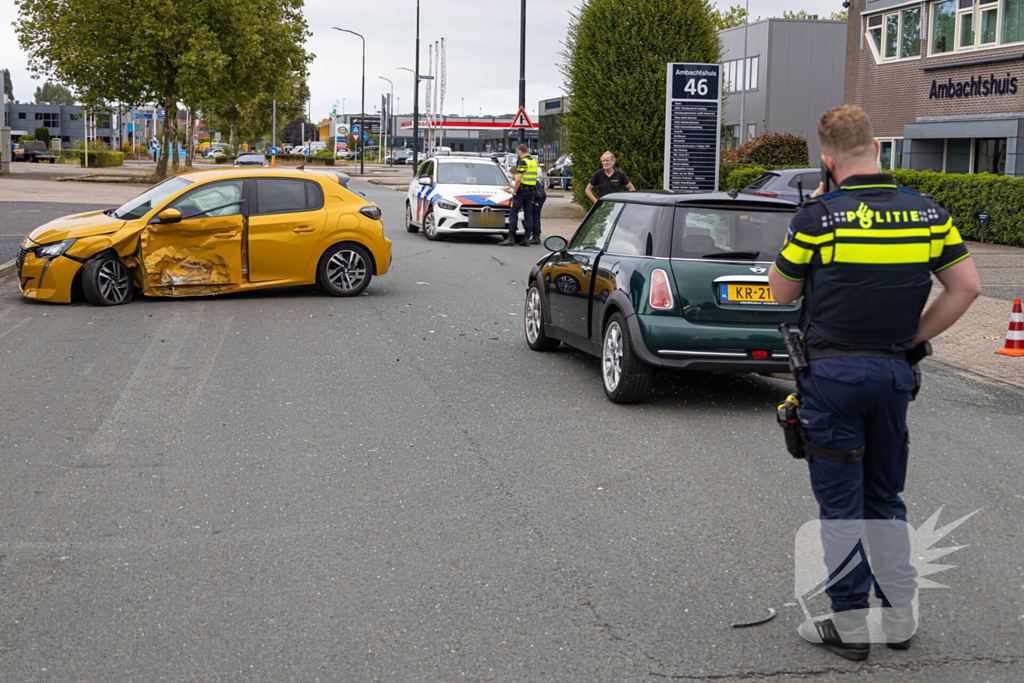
(943, 82)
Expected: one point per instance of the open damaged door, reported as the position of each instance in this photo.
(200, 250)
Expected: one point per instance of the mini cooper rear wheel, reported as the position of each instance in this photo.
(408, 219)
(533, 320)
(626, 377)
(107, 282)
(430, 228)
(345, 270)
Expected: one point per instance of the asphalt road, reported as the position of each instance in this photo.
(283, 486)
(20, 218)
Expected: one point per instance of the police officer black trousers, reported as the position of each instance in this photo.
(848, 403)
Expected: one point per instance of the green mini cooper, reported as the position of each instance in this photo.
(654, 280)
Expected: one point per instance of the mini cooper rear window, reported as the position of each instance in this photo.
(706, 232)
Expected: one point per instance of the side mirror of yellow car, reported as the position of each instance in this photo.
(167, 216)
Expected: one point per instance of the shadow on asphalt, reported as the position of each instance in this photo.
(690, 388)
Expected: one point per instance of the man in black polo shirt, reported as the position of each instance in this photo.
(608, 179)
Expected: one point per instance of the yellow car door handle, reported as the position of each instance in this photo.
(224, 235)
(303, 228)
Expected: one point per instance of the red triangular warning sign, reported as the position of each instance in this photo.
(521, 120)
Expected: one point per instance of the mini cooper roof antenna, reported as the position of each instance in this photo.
(735, 191)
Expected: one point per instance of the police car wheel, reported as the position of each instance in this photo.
(408, 219)
(533, 321)
(626, 377)
(430, 228)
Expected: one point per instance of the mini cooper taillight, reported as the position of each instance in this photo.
(661, 292)
(371, 212)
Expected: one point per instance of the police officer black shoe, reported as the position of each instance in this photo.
(507, 242)
(535, 239)
(899, 624)
(824, 633)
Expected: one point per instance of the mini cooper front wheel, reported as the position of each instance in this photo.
(345, 270)
(106, 281)
(626, 377)
(430, 228)
(409, 227)
(533, 320)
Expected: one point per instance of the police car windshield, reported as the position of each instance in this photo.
(469, 173)
(717, 232)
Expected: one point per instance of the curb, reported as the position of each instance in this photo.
(975, 374)
(6, 269)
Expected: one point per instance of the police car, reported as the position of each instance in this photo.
(458, 194)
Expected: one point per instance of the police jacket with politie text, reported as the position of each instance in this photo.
(866, 254)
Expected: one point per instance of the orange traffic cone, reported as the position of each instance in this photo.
(1015, 335)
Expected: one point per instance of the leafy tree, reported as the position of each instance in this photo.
(194, 51)
(8, 87)
(804, 14)
(734, 16)
(614, 67)
(54, 93)
(292, 132)
(43, 133)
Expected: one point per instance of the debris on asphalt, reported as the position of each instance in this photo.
(771, 615)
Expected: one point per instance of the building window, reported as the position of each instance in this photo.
(890, 154)
(943, 26)
(21, 114)
(896, 35)
(990, 156)
(733, 74)
(958, 155)
(751, 131)
(1013, 21)
(960, 25)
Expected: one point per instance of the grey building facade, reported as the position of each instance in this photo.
(64, 122)
(796, 70)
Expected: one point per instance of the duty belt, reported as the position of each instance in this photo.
(815, 353)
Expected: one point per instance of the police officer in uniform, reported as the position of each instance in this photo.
(862, 257)
(522, 198)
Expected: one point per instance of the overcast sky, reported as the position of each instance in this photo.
(482, 38)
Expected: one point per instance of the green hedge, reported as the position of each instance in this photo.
(782, 150)
(96, 159)
(966, 196)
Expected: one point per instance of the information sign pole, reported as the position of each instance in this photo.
(693, 127)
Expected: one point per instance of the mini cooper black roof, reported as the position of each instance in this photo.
(723, 199)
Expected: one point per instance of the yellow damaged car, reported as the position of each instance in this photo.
(212, 232)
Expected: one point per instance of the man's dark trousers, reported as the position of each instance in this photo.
(521, 200)
(849, 402)
(539, 197)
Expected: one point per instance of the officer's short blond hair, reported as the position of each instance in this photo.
(845, 133)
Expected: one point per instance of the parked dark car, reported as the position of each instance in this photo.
(785, 184)
(401, 157)
(251, 159)
(665, 281)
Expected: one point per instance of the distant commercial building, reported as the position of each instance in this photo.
(943, 82)
(796, 70)
(551, 132)
(467, 133)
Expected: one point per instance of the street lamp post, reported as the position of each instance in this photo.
(362, 105)
(522, 70)
(390, 111)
